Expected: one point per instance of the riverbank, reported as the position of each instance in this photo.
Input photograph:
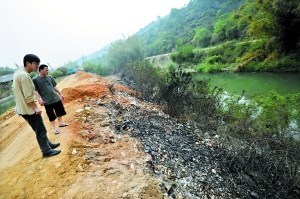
(252, 82)
(118, 146)
(105, 152)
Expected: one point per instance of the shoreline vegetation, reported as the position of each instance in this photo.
(257, 134)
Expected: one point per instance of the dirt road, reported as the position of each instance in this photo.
(94, 163)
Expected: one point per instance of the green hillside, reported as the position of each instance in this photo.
(178, 28)
(215, 36)
(237, 35)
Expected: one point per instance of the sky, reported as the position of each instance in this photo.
(59, 31)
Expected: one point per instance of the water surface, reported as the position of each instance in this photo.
(255, 83)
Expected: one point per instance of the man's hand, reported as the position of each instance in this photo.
(35, 107)
(37, 111)
(62, 98)
(41, 102)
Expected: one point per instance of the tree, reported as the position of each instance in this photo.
(278, 19)
(183, 54)
(226, 28)
(202, 36)
(125, 51)
(59, 72)
(287, 23)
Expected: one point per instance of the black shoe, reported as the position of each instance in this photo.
(51, 153)
(54, 145)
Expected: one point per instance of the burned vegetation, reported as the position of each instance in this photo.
(194, 149)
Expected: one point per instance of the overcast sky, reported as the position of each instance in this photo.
(62, 30)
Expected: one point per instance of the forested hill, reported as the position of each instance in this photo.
(237, 35)
(179, 26)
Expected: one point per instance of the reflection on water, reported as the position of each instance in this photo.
(255, 83)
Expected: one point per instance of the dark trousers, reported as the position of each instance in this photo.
(37, 124)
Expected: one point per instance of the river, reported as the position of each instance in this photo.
(255, 83)
(234, 83)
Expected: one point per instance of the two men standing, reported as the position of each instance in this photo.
(26, 106)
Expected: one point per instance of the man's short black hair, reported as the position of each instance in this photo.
(31, 58)
(41, 67)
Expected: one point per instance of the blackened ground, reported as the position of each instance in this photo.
(185, 159)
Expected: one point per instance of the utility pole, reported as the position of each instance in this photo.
(50, 66)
